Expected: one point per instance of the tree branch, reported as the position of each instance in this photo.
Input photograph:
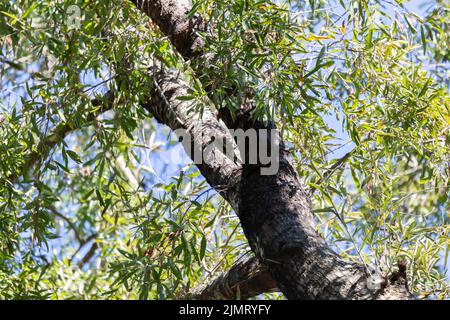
(58, 134)
(171, 16)
(166, 105)
(244, 280)
(69, 223)
(88, 256)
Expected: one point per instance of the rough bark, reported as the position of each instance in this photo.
(244, 280)
(172, 17)
(221, 172)
(275, 209)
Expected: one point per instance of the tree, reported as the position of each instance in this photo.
(350, 97)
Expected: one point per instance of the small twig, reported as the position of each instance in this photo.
(69, 222)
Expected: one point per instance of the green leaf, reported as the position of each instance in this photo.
(424, 40)
(203, 247)
(74, 156)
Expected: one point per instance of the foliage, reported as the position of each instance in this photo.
(359, 89)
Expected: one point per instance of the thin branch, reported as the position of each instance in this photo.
(58, 134)
(69, 222)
